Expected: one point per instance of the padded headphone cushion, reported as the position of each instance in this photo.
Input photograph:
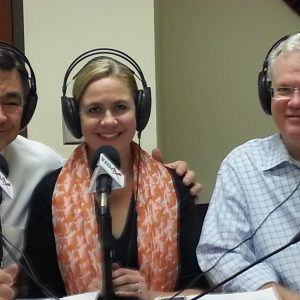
(71, 116)
(143, 108)
(264, 92)
(29, 108)
(31, 99)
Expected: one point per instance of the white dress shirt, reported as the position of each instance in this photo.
(29, 161)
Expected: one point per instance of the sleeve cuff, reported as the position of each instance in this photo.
(252, 279)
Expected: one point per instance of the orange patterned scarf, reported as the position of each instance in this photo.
(76, 229)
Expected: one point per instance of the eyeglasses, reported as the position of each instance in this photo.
(283, 93)
(11, 105)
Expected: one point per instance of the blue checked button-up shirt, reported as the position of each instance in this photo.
(253, 179)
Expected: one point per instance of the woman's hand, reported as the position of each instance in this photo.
(129, 283)
(283, 292)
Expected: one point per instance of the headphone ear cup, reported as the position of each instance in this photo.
(71, 116)
(264, 92)
(143, 108)
(29, 108)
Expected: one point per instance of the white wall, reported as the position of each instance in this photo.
(57, 31)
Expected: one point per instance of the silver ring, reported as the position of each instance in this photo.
(138, 287)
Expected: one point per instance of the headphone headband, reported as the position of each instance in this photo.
(274, 46)
(31, 98)
(100, 51)
(142, 99)
(263, 83)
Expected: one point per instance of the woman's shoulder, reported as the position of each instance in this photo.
(50, 178)
(182, 191)
(45, 187)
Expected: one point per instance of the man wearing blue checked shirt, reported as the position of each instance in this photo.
(258, 187)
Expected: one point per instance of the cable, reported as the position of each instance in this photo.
(30, 273)
(238, 245)
(294, 240)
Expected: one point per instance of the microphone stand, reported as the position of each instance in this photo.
(105, 237)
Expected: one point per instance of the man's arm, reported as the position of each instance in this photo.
(226, 225)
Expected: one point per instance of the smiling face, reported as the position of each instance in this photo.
(107, 114)
(11, 99)
(286, 113)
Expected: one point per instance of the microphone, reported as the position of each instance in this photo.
(106, 176)
(294, 240)
(3, 165)
(3, 183)
(3, 173)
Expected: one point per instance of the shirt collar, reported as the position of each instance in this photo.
(278, 154)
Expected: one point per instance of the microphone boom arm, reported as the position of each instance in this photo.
(294, 240)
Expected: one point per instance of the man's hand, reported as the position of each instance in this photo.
(181, 168)
(284, 293)
(7, 279)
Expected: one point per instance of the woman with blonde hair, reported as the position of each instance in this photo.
(154, 221)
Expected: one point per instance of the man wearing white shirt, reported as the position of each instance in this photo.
(28, 161)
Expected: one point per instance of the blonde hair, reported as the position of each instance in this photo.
(102, 67)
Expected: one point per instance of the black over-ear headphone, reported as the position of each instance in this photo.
(70, 107)
(31, 98)
(263, 83)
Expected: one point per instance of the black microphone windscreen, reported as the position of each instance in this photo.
(4, 165)
(110, 152)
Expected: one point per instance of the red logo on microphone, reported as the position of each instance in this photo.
(5, 182)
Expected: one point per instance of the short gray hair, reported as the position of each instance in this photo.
(287, 45)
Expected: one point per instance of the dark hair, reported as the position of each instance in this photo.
(8, 62)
